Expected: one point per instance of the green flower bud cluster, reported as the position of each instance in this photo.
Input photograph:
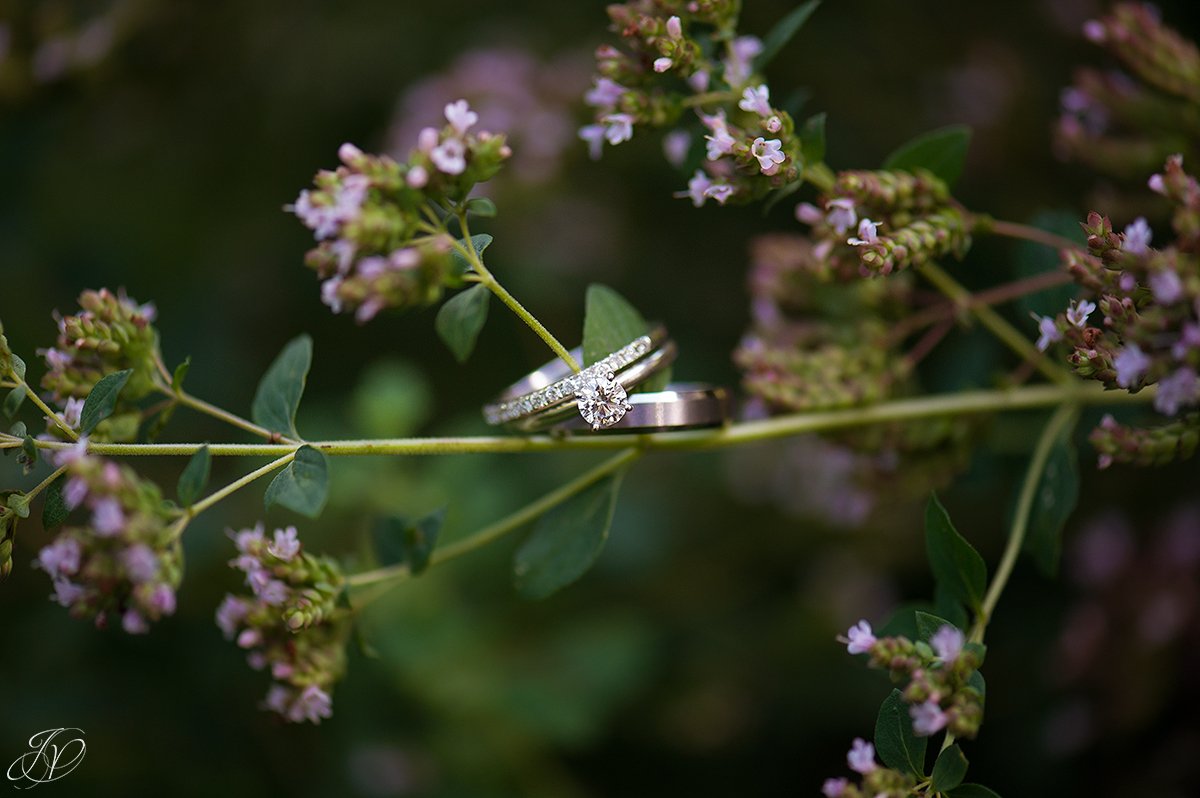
(377, 221)
(8, 534)
(1119, 443)
(110, 333)
(880, 782)
(1123, 123)
(291, 623)
(6, 354)
(125, 561)
(901, 219)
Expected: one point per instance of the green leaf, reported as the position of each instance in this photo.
(566, 540)
(181, 372)
(948, 770)
(782, 33)
(280, 389)
(29, 453)
(977, 681)
(482, 207)
(400, 540)
(1055, 498)
(480, 242)
(945, 605)
(194, 478)
(102, 400)
(895, 742)
(928, 624)
(972, 791)
(54, 509)
(956, 564)
(12, 402)
(18, 366)
(461, 318)
(609, 323)
(303, 486)
(18, 502)
(812, 139)
(942, 151)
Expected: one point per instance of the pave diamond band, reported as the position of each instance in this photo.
(553, 390)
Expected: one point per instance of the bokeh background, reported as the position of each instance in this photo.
(151, 144)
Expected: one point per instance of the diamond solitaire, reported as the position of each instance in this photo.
(602, 400)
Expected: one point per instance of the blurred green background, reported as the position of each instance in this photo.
(151, 144)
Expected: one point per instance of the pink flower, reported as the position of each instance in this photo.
(773, 124)
(1047, 332)
(1078, 312)
(1093, 31)
(866, 234)
(133, 623)
(1137, 237)
(460, 116)
(1131, 363)
(769, 154)
(273, 592)
(1166, 286)
(60, 558)
(606, 94)
(808, 213)
(247, 539)
(348, 152)
(1179, 389)
(663, 64)
(834, 788)
(861, 757)
(450, 157)
(230, 614)
(312, 704)
(1157, 184)
(66, 592)
(71, 412)
(738, 63)
(675, 147)
(840, 215)
(162, 599)
(620, 128)
(141, 563)
(859, 638)
(948, 643)
(1189, 339)
(674, 28)
(594, 136)
(74, 452)
(697, 187)
(720, 143)
(756, 99)
(720, 192)
(329, 294)
(249, 638)
(698, 81)
(417, 177)
(927, 718)
(108, 519)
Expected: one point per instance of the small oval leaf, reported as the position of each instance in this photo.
(102, 400)
(895, 742)
(54, 508)
(956, 564)
(278, 395)
(609, 323)
(567, 540)
(194, 478)
(942, 151)
(400, 540)
(948, 770)
(461, 318)
(1055, 498)
(303, 485)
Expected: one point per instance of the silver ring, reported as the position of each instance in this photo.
(681, 405)
(550, 391)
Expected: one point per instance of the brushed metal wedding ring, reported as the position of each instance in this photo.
(680, 406)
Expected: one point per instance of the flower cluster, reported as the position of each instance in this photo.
(125, 562)
(884, 221)
(681, 55)
(111, 332)
(290, 623)
(876, 781)
(1123, 125)
(1147, 328)
(941, 685)
(511, 90)
(376, 219)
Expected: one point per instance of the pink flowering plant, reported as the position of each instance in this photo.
(846, 304)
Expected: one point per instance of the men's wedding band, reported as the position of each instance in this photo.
(682, 405)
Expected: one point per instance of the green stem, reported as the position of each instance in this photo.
(485, 277)
(187, 400)
(535, 509)
(994, 322)
(1024, 232)
(50, 414)
(238, 484)
(820, 175)
(965, 403)
(1063, 419)
(45, 483)
(697, 100)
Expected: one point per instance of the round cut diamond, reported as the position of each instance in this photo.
(602, 400)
